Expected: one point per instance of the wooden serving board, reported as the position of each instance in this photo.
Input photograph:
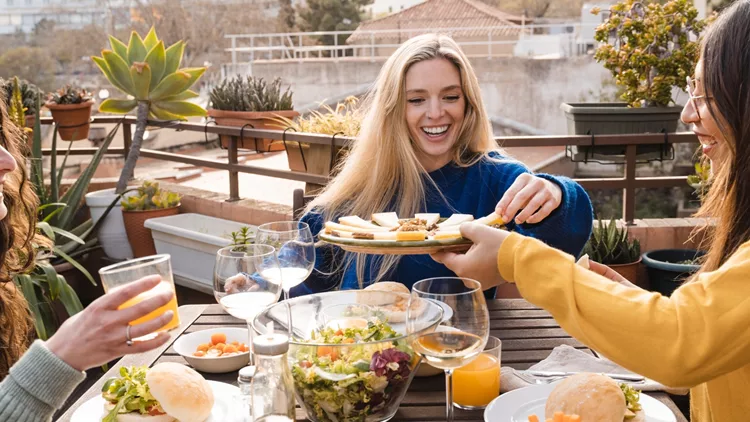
(394, 247)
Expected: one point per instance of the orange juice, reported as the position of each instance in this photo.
(477, 383)
(172, 305)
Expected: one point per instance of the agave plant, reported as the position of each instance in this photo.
(149, 74)
(610, 245)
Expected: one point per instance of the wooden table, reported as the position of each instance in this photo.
(528, 333)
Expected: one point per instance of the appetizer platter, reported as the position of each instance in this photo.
(387, 234)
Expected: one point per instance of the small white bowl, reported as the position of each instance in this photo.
(187, 344)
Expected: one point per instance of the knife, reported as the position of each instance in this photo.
(623, 377)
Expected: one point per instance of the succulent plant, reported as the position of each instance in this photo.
(149, 73)
(701, 179)
(344, 119)
(29, 93)
(250, 94)
(649, 47)
(610, 245)
(16, 110)
(69, 95)
(150, 197)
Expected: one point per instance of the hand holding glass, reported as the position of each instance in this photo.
(118, 275)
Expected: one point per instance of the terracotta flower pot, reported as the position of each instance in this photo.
(138, 235)
(629, 271)
(73, 120)
(258, 120)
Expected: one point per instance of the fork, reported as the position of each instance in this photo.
(533, 379)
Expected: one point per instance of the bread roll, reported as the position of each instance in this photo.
(593, 397)
(182, 392)
(392, 305)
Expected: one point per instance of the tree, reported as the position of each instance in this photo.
(287, 20)
(331, 15)
(30, 63)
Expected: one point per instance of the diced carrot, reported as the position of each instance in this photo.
(348, 340)
(575, 418)
(229, 348)
(339, 333)
(557, 417)
(549, 420)
(199, 354)
(218, 338)
(566, 418)
(220, 347)
(533, 418)
(203, 347)
(235, 343)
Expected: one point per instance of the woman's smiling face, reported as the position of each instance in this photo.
(702, 122)
(435, 107)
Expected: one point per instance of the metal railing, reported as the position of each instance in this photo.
(628, 182)
(301, 45)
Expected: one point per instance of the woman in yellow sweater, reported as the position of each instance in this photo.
(700, 336)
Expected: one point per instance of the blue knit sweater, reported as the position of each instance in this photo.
(474, 190)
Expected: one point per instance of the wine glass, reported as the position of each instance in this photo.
(240, 286)
(463, 333)
(295, 249)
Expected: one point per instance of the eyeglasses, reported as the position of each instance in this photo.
(692, 86)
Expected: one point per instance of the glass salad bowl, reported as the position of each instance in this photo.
(349, 353)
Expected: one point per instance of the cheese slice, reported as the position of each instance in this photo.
(352, 229)
(447, 234)
(411, 236)
(355, 221)
(455, 220)
(363, 235)
(386, 219)
(430, 218)
(491, 219)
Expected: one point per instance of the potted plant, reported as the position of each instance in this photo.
(192, 241)
(17, 110)
(251, 101)
(71, 110)
(29, 93)
(149, 202)
(150, 75)
(650, 48)
(610, 245)
(668, 268)
(344, 120)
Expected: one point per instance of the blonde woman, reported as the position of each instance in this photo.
(426, 145)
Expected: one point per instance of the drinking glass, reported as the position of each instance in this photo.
(295, 249)
(463, 333)
(118, 275)
(239, 284)
(475, 385)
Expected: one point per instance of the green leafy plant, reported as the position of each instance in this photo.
(69, 95)
(250, 94)
(16, 110)
(61, 239)
(700, 180)
(344, 119)
(244, 236)
(649, 48)
(610, 245)
(30, 93)
(150, 197)
(149, 74)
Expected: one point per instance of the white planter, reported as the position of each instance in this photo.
(112, 234)
(192, 240)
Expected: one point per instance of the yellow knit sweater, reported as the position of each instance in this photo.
(698, 338)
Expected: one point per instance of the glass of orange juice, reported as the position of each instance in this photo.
(476, 384)
(118, 275)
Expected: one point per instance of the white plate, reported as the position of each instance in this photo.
(228, 406)
(517, 405)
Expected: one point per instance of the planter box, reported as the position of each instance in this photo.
(665, 273)
(262, 120)
(192, 240)
(618, 118)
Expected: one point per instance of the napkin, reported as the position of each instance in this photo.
(569, 359)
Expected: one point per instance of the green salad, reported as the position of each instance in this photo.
(129, 394)
(632, 396)
(342, 382)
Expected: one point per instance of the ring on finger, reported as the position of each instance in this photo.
(129, 340)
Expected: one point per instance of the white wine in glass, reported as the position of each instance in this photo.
(463, 333)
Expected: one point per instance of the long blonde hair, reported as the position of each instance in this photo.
(382, 171)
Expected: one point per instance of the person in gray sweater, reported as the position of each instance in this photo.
(40, 382)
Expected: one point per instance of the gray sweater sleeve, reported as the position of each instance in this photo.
(38, 384)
